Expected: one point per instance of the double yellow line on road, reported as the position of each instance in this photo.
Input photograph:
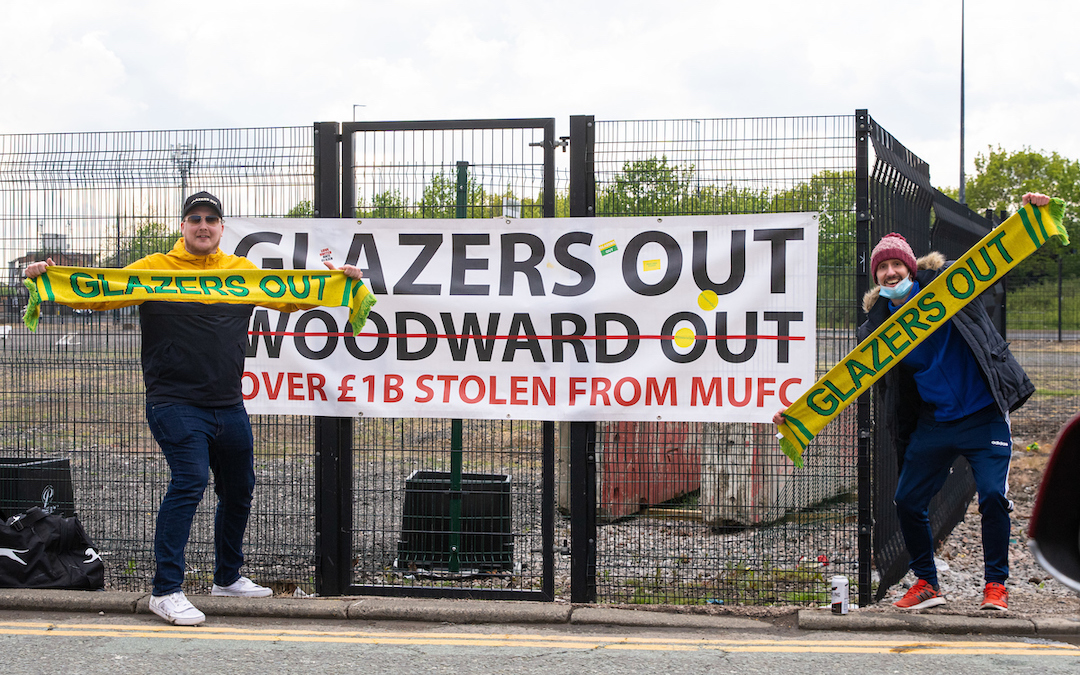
(659, 643)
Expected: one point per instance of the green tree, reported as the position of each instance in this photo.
(440, 199)
(149, 237)
(653, 186)
(303, 209)
(386, 204)
(1002, 177)
(534, 208)
(1000, 181)
(648, 187)
(830, 194)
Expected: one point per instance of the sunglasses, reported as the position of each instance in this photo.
(210, 220)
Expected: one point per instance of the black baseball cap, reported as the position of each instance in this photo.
(201, 199)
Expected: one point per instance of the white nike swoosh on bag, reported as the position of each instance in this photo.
(93, 556)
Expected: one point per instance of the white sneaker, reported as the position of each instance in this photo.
(242, 588)
(176, 609)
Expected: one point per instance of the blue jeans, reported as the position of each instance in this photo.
(195, 442)
(984, 438)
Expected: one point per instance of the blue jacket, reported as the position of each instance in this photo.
(900, 403)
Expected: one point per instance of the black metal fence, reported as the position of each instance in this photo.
(1030, 314)
(902, 200)
(400, 529)
(728, 519)
(72, 391)
(672, 513)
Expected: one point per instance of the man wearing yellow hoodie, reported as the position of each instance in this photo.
(193, 362)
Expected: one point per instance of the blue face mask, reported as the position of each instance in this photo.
(897, 292)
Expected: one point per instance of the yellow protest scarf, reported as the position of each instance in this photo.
(981, 267)
(84, 286)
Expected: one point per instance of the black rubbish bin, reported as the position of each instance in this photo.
(486, 542)
(45, 483)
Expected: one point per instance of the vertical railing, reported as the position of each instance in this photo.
(582, 434)
(863, 217)
(333, 435)
(457, 440)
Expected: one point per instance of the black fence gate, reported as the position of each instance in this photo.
(440, 514)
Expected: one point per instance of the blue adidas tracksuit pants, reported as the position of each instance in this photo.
(985, 439)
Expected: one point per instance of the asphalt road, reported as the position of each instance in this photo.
(48, 642)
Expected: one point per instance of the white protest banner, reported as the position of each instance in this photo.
(680, 318)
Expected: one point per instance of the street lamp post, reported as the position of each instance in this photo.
(183, 157)
(962, 199)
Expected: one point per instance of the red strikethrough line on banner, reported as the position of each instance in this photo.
(527, 337)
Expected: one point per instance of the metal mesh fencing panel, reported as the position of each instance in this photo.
(404, 537)
(715, 513)
(72, 391)
(691, 513)
(902, 197)
(400, 170)
(1043, 329)
(403, 534)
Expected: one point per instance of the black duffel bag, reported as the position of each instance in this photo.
(48, 550)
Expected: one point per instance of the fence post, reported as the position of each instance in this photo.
(863, 129)
(333, 435)
(582, 194)
(456, 435)
(547, 516)
(550, 197)
(582, 197)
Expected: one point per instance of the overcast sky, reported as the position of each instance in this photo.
(108, 65)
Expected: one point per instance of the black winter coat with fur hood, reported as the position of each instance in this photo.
(898, 397)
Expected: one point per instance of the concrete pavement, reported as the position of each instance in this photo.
(997, 623)
(371, 608)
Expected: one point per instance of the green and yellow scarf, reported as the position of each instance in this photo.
(981, 267)
(109, 288)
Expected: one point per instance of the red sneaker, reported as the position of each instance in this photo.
(995, 596)
(920, 596)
